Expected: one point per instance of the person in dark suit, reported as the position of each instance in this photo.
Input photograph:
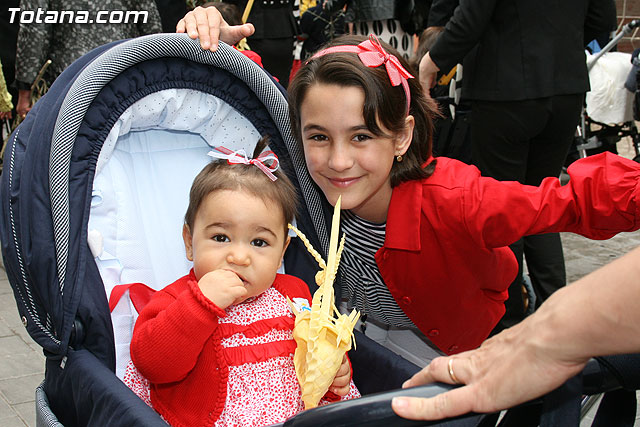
(275, 31)
(171, 11)
(526, 76)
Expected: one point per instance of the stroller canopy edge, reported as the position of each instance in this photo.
(105, 67)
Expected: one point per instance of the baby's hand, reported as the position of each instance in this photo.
(222, 287)
(341, 383)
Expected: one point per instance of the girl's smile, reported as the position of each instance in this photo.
(343, 156)
(343, 182)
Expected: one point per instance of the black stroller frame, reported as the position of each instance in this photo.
(604, 138)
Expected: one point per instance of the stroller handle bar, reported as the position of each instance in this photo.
(373, 410)
(627, 29)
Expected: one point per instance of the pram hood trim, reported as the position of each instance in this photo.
(122, 56)
(46, 161)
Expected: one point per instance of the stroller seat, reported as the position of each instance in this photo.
(141, 186)
(94, 191)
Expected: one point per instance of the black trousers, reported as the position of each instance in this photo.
(277, 56)
(527, 141)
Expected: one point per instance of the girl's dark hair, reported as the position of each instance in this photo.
(383, 103)
(221, 175)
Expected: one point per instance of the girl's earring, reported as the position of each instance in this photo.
(398, 158)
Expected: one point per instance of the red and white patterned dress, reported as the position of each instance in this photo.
(258, 346)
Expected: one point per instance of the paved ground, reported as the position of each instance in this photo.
(22, 362)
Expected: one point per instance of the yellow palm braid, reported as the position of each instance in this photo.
(322, 340)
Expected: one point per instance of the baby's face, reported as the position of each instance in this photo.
(239, 232)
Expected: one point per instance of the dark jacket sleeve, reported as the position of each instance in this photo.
(463, 31)
(333, 6)
(441, 11)
(601, 19)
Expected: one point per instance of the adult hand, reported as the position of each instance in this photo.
(24, 103)
(222, 287)
(5, 115)
(341, 383)
(209, 25)
(428, 72)
(510, 368)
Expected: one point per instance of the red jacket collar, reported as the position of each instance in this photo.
(403, 219)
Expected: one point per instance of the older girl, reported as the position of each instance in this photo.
(426, 258)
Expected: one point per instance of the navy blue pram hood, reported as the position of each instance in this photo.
(46, 195)
(51, 159)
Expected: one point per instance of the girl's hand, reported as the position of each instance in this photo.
(209, 25)
(222, 287)
(341, 383)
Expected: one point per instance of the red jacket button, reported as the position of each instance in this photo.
(385, 255)
(453, 348)
(406, 300)
(433, 333)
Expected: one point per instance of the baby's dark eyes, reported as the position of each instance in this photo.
(220, 238)
(259, 243)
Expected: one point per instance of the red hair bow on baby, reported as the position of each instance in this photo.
(267, 161)
(372, 54)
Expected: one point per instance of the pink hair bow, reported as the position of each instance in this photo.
(267, 161)
(372, 54)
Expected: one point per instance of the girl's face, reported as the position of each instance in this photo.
(343, 156)
(237, 231)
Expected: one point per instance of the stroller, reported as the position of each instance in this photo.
(608, 114)
(102, 163)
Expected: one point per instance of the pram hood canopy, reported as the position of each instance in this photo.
(51, 160)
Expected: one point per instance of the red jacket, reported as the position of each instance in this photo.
(445, 258)
(176, 346)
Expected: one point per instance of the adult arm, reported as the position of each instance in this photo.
(333, 6)
(462, 32)
(601, 19)
(208, 25)
(23, 105)
(171, 332)
(595, 316)
(441, 11)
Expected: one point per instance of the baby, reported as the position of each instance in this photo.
(216, 345)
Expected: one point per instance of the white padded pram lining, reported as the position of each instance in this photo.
(609, 101)
(141, 189)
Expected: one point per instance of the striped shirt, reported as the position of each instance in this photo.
(363, 287)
